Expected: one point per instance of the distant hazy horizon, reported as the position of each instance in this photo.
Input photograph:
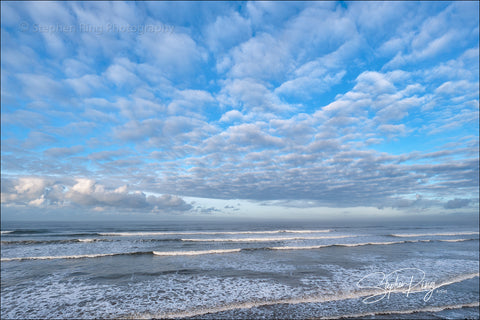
(406, 220)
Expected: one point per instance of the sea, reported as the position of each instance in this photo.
(238, 270)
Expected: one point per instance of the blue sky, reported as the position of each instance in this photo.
(250, 109)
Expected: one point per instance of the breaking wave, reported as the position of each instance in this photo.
(432, 234)
(30, 242)
(79, 256)
(265, 239)
(215, 251)
(194, 253)
(413, 311)
(160, 233)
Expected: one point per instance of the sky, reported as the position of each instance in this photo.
(152, 110)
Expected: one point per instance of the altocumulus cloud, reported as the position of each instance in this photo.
(318, 105)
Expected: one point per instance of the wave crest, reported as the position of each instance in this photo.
(194, 253)
(265, 239)
(160, 233)
(408, 235)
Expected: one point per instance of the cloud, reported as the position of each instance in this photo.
(463, 67)
(374, 82)
(232, 115)
(86, 84)
(296, 55)
(304, 86)
(457, 203)
(191, 102)
(378, 18)
(262, 57)
(63, 152)
(250, 134)
(29, 119)
(37, 138)
(173, 54)
(86, 193)
(456, 87)
(437, 34)
(325, 104)
(227, 31)
(378, 94)
(119, 75)
(107, 155)
(209, 210)
(39, 86)
(392, 129)
(250, 95)
(48, 16)
(26, 189)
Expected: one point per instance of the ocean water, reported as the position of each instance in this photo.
(218, 270)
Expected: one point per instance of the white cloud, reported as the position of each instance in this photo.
(378, 96)
(457, 87)
(74, 68)
(394, 45)
(250, 95)
(437, 45)
(227, 31)
(231, 116)
(304, 87)
(86, 84)
(30, 186)
(33, 191)
(250, 134)
(320, 74)
(265, 15)
(373, 82)
(173, 54)
(261, 57)
(46, 16)
(191, 102)
(84, 186)
(465, 67)
(398, 129)
(437, 34)
(119, 75)
(377, 17)
(39, 86)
